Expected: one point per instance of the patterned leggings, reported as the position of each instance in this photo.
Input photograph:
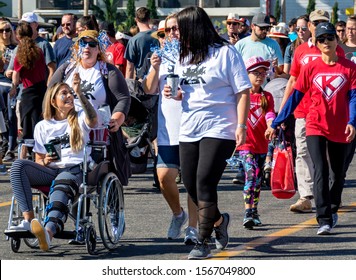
(253, 166)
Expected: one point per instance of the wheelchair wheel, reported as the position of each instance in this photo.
(111, 215)
(31, 242)
(90, 240)
(15, 244)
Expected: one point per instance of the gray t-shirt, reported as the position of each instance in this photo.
(138, 47)
(350, 52)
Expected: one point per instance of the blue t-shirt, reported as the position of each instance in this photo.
(63, 50)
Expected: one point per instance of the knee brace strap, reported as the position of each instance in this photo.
(57, 205)
(58, 222)
(68, 186)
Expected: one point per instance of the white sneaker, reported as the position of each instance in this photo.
(175, 229)
(23, 226)
(191, 236)
(42, 235)
(324, 230)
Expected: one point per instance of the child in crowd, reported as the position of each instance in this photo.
(253, 152)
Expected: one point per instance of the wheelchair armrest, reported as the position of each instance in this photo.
(94, 175)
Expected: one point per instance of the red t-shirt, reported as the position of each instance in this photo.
(115, 55)
(37, 74)
(257, 125)
(304, 54)
(328, 87)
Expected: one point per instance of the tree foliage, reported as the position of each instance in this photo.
(335, 16)
(277, 11)
(130, 13)
(110, 11)
(151, 6)
(311, 6)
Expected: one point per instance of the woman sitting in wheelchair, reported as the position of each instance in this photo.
(61, 167)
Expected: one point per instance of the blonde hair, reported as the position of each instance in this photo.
(49, 111)
(3, 25)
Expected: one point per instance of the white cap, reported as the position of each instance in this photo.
(29, 17)
(119, 35)
(42, 31)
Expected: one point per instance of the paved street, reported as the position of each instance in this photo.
(284, 235)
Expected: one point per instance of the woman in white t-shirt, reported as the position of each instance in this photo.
(215, 102)
(61, 121)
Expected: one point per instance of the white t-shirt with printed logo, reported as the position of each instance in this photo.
(210, 95)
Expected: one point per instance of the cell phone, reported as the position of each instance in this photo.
(51, 149)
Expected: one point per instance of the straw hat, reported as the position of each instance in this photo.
(231, 17)
(279, 31)
(160, 29)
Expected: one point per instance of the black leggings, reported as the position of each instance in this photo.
(327, 198)
(202, 165)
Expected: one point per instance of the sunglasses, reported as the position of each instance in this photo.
(316, 22)
(161, 35)
(330, 38)
(340, 30)
(264, 28)
(7, 30)
(302, 28)
(91, 44)
(173, 28)
(233, 23)
(258, 74)
(65, 24)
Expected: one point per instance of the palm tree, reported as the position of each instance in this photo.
(311, 6)
(130, 12)
(110, 13)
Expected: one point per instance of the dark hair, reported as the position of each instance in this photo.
(197, 34)
(142, 15)
(27, 52)
(74, 17)
(305, 17)
(89, 22)
(340, 23)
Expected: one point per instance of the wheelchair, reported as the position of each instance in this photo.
(101, 189)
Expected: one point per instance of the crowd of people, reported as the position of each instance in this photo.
(218, 107)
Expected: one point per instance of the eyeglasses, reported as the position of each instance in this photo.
(340, 30)
(7, 30)
(321, 40)
(233, 23)
(264, 28)
(301, 28)
(66, 24)
(258, 74)
(173, 28)
(161, 35)
(84, 44)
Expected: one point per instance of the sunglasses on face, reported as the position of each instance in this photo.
(233, 23)
(65, 24)
(321, 40)
(258, 74)
(301, 28)
(264, 28)
(315, 23)
(161, 35)
(91, 44)
(173, 28)
(7, 30)
(340, 30)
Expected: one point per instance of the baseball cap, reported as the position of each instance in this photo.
(324, 28)
(319, 15)
(255, 62)
(29, 17)
(231, 17)
(42, 31)
(245, 21)
(160, 29)
(119, 35)
(261, 20)
(280, 30)
(93, 34)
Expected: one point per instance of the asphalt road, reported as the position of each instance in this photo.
(283, 236)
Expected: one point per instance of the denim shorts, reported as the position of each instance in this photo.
(168, 157)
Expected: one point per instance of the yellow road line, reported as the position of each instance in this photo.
(234, 252)
(7, 203)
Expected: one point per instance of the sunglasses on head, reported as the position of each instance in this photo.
(66, 24)
(301, 28)
(161, 35)
(6, 30)
(264, 28)
(321, 40)
(173, 28)
(232, 22)
(91, 44)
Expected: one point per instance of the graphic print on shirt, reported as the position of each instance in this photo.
(87, 89)
(193, 75)
(351, 56)
(255, 113)
(308, 58)
(329, 84)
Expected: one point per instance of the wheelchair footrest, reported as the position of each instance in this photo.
(18, 234)
(66, 235)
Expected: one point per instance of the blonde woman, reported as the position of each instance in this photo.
(8, 41)
(61, 121)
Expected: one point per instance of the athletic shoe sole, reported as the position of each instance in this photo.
(39, 231)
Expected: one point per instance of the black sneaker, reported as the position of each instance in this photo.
(256, 217)
(200, 251)
(248, 220)
(9, 156)
(221, 234)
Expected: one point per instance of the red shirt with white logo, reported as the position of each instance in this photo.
(304, 54)
(257, 124)
(328, 87)
(115, 55)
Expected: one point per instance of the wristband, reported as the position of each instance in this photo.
(243, 126)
